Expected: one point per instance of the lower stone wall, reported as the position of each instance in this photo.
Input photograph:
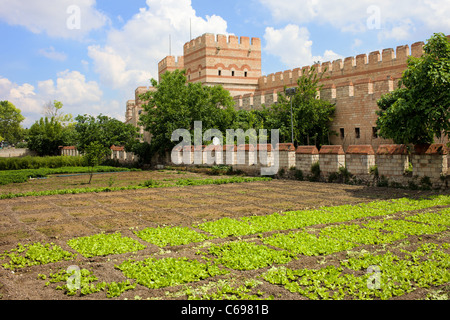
(16, 153)
(389, 166)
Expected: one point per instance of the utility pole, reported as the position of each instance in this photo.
(291, 93)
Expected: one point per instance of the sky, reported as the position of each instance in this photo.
(92, 55)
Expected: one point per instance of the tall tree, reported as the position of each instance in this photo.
(10, 120)
(419, 110)
(177, 105)
(45, 136)
(104, 130)
(54, 110)
(311, 116)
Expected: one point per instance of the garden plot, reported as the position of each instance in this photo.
(307, 253)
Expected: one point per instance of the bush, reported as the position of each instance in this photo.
(315, 172)
(383, 182)
(299, 175)
(30, 162)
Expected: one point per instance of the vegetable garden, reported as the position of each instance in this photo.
(378, 249)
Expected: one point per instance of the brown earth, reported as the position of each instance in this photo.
(59, 218)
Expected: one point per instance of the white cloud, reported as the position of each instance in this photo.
(52, 54)
(130, 56)
(71, 88)
(78, 95)
(53, 17)
(293, 46)
(397, 19)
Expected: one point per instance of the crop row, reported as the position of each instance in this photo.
(368, 276)
(20, 176)
(269, 250)
(227, 227)
(154, 184)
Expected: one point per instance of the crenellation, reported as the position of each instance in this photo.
(337, 67)
(417, 49)
(374, 59)
(361, 62)
(287, 77)
(354, 84)
(349, 64)
(233, 40)
(388, 57)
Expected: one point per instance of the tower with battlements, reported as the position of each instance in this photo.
(234, 63)
(354, 84)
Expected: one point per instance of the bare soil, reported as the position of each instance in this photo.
(59, 218)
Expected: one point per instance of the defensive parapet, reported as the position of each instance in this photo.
(170, 63)
(373, 65)
(221, 42)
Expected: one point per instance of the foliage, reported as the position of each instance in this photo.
(311, 116)
(53, 110)
(20, 176)
(10, 120)
(405, 227)
(34, 254)
(158, 273)
(45, 136)
(418, 110)
(315, 172)
(173, 236)
(308, 244)
(110, 189)
(88, 284)
(104, 131)
(104, 244)
(425, 267)
(180, 104)
(222, 289)
(241, 255)
(94, 154)
(30, 162)
(227, 227)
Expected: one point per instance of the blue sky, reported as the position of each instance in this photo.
(91, 55)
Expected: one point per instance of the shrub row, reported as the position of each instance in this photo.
(30, 162)
(19, 176)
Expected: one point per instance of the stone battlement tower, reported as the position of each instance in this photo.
(234, 63)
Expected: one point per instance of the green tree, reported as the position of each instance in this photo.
(10, 120)
(45, 136)
(419, 110)
(311, 116)
(177, 105)
(53, 110)
(104, 130)
(94, 154)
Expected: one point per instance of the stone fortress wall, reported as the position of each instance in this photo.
(429, 162)
(354, 84)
